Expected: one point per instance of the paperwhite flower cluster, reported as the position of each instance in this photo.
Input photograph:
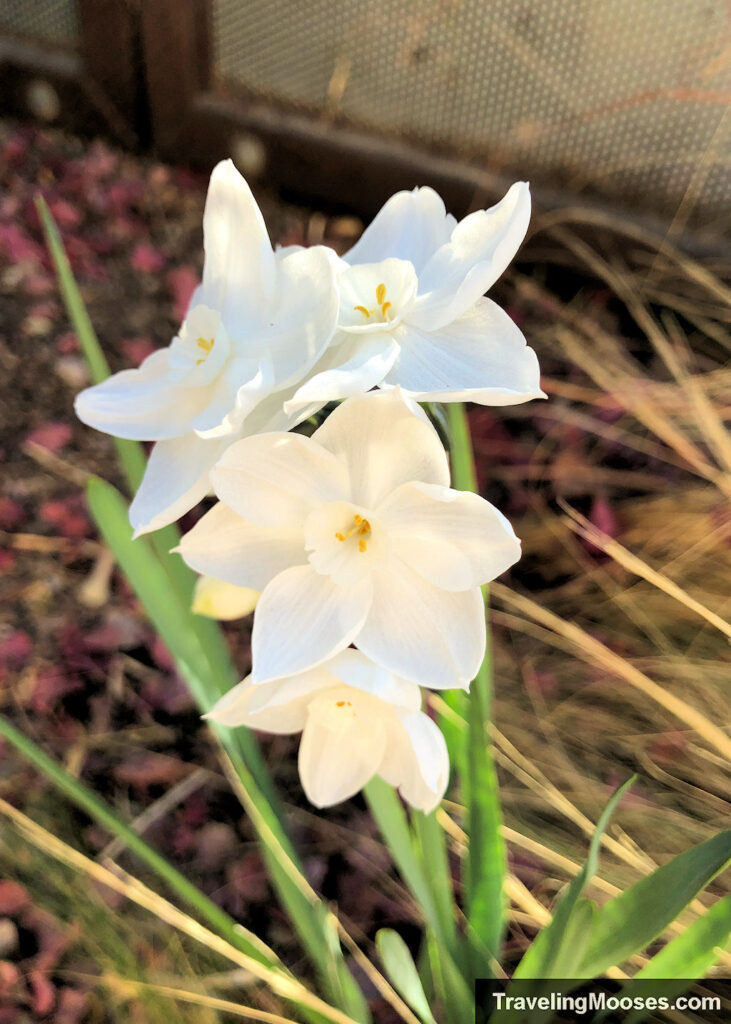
(353, 535)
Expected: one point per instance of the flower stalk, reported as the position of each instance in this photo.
(485, 866)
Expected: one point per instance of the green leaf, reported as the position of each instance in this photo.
(631, 921)
(131, 455)
(391, 819)
(431, 849)
(486, 862)
(402, 972)
(176, 625)
(545, 952)
(689, 956)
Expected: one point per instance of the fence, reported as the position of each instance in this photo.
(619, 101)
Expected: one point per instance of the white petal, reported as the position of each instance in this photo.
(224, 545)
(238, 273)
(217, 599)
(235, 395)
(481, 357)
(410, 226)
(454, 539)
(142, 404)
(416, 630)
(176, 478)
(384, 441)
(277, 479)
(335, 763)
(304, 314)
(416, 760)
(302, 619)
(356, 365)
(355, 669)
(282, 692)
(238, 707)
(479, 250)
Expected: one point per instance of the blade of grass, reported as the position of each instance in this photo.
(97, 809)
(486, 862)
(283, 984)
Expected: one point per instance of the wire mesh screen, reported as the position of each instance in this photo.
(626, 97)
(47, 21)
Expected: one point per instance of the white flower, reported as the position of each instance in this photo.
(412, 312)
(357, 721)
(354, 536)
(255, 327)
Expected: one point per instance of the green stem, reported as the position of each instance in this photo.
(485, 865)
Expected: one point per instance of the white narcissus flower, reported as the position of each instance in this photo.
(354, 536)
(255, 327)
(357, 721)
(412, 311)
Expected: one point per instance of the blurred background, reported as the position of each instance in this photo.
(611, 643)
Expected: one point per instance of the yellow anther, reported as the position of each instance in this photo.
(361, 527)
(343, 704)
(205, 344)
(380, 303)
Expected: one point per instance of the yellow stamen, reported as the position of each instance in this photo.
(380, 294)
(385, 307)
(205, 344)
(363, 310)
(343, 704)
(361, 527)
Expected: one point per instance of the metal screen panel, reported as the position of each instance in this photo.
(627, 97)
(48, 21)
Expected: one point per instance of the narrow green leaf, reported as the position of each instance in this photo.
(575, 939)
(486, 862)
(402, 972)
(631, 921)
(689, 955)
(131, 455)
(391, 819)
(175, 623)
(432, 852)
(545, 951)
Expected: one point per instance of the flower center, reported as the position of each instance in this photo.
(381, 304)
(361, 529)
(205, 345)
